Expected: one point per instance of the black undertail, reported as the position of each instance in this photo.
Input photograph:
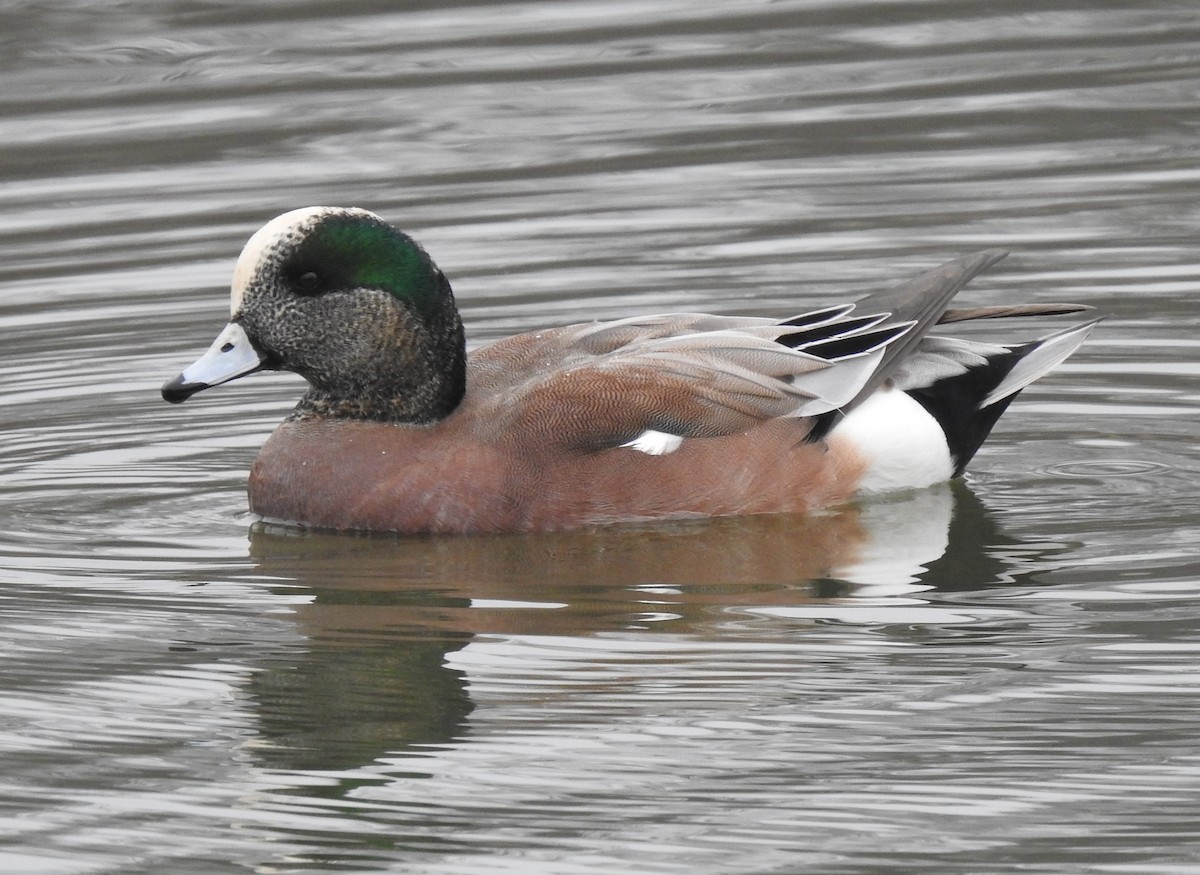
(955, 403)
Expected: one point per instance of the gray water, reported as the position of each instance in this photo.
(996, 677)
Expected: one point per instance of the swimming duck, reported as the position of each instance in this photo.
(650, 417)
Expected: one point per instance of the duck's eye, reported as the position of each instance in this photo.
(308, 282)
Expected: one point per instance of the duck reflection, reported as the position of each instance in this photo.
(385, 612)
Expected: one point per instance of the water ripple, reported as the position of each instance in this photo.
(994, 678)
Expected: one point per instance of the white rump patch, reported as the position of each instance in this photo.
(903, 445)
(655, 443)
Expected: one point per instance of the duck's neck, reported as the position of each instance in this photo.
(419, 380)
(365, 408)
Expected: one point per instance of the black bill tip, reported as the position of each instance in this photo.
(179, 390)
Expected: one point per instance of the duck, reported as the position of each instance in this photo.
(634, 420)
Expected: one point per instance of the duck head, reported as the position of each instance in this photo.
(355, 307)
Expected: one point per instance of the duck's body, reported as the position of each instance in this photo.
(470, 473)
(646, 418)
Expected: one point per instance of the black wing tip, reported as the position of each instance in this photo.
(859, 344)
(803, 337)
(819, 317)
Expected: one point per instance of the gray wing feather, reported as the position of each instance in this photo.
(922, 301)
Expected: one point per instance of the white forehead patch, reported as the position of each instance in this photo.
(294, 224)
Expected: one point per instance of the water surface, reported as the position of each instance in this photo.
(994, 677)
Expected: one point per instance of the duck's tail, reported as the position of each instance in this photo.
(965, 386)
(927, 422)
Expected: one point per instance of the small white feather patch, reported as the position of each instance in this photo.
(655, 443)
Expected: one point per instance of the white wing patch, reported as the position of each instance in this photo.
(655, 443)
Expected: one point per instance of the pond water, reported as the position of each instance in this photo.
(996, 676)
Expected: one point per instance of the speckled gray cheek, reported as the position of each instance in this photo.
(270, 319)
(264, 300)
